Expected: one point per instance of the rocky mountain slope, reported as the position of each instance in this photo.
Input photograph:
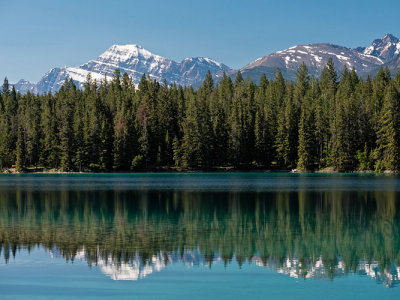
(365, 60)
(135, 60)
(386, 48)
(132, 59)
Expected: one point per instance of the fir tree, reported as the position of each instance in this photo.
(307, 151)
(307, 124)
(388, 135)
(20, 150)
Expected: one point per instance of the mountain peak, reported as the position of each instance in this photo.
(126, 47)
(204, 60)
(385, 48)
(123, 53)
(315, 56)
(135, 60)
(132, 59)
(23, 81)
(389, 36)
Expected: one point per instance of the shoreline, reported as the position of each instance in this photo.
(218, 170)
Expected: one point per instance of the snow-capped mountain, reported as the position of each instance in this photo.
(365, 60)
(25, 86)
(133, 60)
(385, 48)
(315, 56)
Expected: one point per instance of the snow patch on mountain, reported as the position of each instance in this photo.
(135, 61)
(131, 59)
(315, 57)
(385, 48)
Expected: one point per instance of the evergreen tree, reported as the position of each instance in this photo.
(388, 135)
(65, 101)
(308, 124)
(286, 142)
(307, 151)
(208, 84)
(49, 156)
(324, 111)
(20, 150)
(302, 84)
(5, 93)
(345, 131)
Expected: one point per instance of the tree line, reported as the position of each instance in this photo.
(341, 123)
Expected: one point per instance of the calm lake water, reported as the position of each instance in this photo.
(178, 236)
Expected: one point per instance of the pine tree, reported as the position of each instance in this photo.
(177, 153)
(218, 116)
(239, 120)
(302, 84)
(260, 140)
(143, 116)
(345, 131)
(208, 84)
(388, 135)
(324, 112)
(49, 156)
(197, 133)
(30, 115)
(106, 158)
(80, 154)
(307, 150)
(286, 141)
(262, 132)
(66, 98)
(20, 150)
(5, 92)
(191, 136)
(4, 130)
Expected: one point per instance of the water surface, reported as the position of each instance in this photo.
(169, 236)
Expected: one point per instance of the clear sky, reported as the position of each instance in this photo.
(39, 35)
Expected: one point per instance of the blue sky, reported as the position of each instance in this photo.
(41, 34)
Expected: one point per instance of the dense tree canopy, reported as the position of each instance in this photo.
(339, 122)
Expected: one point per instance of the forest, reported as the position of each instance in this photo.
(337, 122)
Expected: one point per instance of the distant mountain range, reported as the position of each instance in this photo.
(365, 60)
(135, 60)
(132, 59)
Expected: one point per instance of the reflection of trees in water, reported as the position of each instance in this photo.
(345, 227)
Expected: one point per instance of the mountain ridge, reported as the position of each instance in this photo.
(366, 60)
(132, 59)
(136, 61)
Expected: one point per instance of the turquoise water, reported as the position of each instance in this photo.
(179, 236)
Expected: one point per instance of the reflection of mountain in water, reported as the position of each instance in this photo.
(130, 234)
(318, 270)
(133, 270)
(138, 269)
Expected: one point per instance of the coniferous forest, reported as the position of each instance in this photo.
(338, 122)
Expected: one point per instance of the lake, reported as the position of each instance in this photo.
(200, 235)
